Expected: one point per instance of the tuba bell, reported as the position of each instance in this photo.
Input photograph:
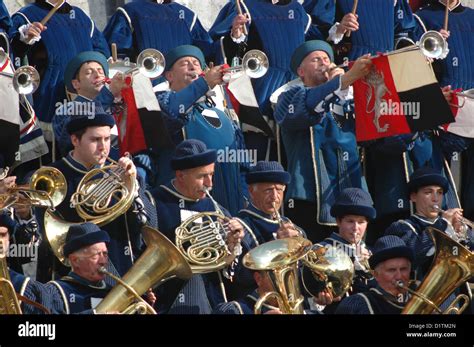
(327, 267)
(452, 266)
(160, 262)
(279, 258)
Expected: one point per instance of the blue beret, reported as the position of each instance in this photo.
(268, 171)
(427, 176)
(306, 48)
(83, 235)
(85, 116)
(192, 153)
(184, 51)
(75, 64)
(353, 201)
(389, 247)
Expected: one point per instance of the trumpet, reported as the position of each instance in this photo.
(150, 63)
(254, 64)
(26, 79)
(433, 45)
(467, 94)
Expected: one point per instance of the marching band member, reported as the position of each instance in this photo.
(391, 262)
(276, 28)
(162, 25)
(85, 75)
(353, 209)
(318, 136)
(90, 137)
(427, 189)
(267, 182)
(190, 112)
(181, 198)
(50, 47)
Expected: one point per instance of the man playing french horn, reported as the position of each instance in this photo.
(122, 208)
(206, 235)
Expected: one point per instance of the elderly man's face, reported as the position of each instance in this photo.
(87, 261)
(352, 228)
(191, 182)
(184, 71)
(389, 272)
(313, 70)
(267, 197)
(4, 241)
(426, 198)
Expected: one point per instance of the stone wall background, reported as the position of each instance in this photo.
(101, 10)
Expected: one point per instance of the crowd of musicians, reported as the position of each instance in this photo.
(210, 168)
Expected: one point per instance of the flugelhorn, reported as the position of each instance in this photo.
(254, 64)
(26, 79)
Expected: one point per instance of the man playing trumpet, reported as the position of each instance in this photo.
(191, 112)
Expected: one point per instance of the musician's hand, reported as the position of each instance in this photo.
(127, 164)
(447, 93)
(213, 76)
(235, 233)
(348, 23)
(35, 30)
(117, 83)
(453, 216)
(326, 298)
(444, 33)
(287, 229)
(150, 297)
(238, 25)
(359, 69)
(7, 183)
(335, 72)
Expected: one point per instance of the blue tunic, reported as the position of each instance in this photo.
(5, 25)
(145, 24)
(374, 301)
(68, 34)
(244, 305)
(186, 116)
(321, 151)
(381, 22)
(289, 23)
(201, 293)
(77, 294)
(125, 231)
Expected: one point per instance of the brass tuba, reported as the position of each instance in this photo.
(102, 195)
(453, 265)
(9, 303)
(279, 258)
(160, 261)
(327, 267)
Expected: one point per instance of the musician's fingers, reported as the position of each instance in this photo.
(38, 26)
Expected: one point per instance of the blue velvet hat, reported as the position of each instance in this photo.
(192, 153)
(268, 171)
(389, 247)
(353, 201)
(75, 64)
(83, 119)
(427, 176)
(306, 48)
(83, 235)
(184, 51)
